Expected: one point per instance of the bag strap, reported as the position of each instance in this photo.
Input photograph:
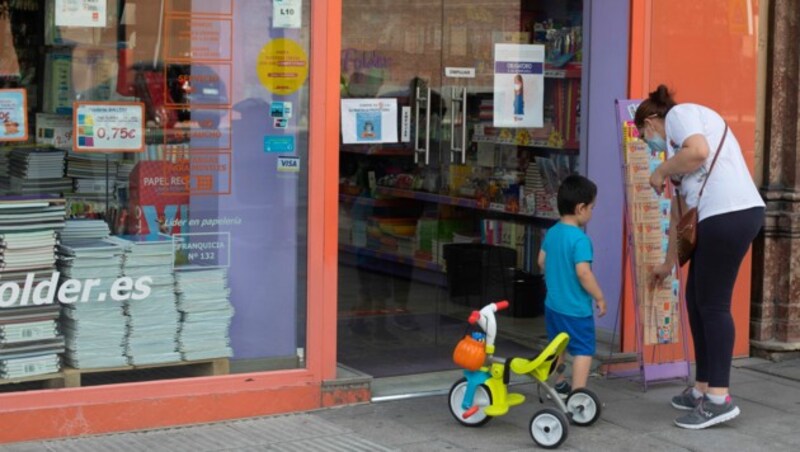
(713, 162)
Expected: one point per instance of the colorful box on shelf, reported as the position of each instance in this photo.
(570, 70)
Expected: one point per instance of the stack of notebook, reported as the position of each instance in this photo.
(37, 171)
(206, 313)
(5, 153)
(29, 339)
(93, 319)
(153, 320)
(83, 229)
(95, 175)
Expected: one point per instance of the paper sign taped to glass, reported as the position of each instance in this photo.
(518, 85)
(369, 121)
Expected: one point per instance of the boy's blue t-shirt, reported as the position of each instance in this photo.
(565, 246)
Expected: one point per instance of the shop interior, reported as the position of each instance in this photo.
(447, 213)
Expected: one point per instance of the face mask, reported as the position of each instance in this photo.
(657, 143)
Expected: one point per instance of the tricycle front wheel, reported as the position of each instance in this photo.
(549, 428)
(481, 400)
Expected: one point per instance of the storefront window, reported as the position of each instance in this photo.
(153, 214)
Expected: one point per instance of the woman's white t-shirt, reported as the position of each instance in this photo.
(730, 187)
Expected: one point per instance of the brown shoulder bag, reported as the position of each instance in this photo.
(687, 226)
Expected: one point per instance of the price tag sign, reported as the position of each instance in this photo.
(108, 127)
(287, 13)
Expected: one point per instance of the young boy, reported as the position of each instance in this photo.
(566, 258)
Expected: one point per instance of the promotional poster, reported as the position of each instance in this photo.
(518, 85)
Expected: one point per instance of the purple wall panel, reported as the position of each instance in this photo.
(263, 273)
(607, 78)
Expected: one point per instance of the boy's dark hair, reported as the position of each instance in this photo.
(574, 190)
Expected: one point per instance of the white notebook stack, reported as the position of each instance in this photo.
(206, 313)
(37, 171)
(153, 321)
(94, 322)
(30, 342)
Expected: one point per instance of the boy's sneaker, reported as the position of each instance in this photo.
(707, 414)
(686, 400)
(563, 389)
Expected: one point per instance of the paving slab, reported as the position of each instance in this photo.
(632, 420)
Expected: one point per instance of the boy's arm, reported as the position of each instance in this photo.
(589, 283)
(540, 261)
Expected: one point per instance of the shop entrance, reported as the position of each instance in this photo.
(456, 130)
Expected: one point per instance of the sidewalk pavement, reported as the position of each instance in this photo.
(632, 420)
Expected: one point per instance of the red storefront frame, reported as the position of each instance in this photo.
(58, 413)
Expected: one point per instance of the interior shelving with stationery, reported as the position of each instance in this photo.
(394, 211)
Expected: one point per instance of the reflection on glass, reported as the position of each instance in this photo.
(145, 222)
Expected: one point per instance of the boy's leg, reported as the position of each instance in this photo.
(580, 370)
(561, 360)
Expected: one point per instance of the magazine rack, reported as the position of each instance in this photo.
(656, 341)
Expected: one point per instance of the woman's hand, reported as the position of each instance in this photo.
(658, 180)
(659, 273)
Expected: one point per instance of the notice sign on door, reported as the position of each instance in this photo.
(287, 13)
(369, 121)
(518, 85)
(81, 13)
(108, 127)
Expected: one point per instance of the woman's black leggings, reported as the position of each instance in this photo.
(722, 242)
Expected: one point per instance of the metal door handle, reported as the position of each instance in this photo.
(454, 103)
(464, 126)
(426, 149)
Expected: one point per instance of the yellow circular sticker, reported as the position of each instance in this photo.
(282, 66)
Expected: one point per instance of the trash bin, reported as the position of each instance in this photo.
(479, 274)
(529, 291)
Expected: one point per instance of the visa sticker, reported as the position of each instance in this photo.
(289, 164)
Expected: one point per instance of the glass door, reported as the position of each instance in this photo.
(391, 273)
(512, 86)
(448, 171)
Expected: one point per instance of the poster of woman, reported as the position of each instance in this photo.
(518, 85)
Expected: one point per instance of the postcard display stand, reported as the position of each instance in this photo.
(660, 323)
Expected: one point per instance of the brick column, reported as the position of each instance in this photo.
(775, 311)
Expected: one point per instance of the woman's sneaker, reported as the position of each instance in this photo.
(708, 413)
(686, 400)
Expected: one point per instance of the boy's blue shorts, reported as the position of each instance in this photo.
(580, 330)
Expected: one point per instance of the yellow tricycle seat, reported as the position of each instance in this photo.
(543, 365)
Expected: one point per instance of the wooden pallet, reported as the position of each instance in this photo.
(49, 381)
(203, 368)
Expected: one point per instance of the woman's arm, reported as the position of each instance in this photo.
(689, 159)
(660, 272)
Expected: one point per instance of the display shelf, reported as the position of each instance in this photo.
(388, 256)
(570, 147)
(366, 201)
(569, 71)
(429, 197)
(50, 381)
(378, 150)
(200, 368)
(457, 201)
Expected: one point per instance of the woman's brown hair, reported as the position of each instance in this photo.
(657, 104)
